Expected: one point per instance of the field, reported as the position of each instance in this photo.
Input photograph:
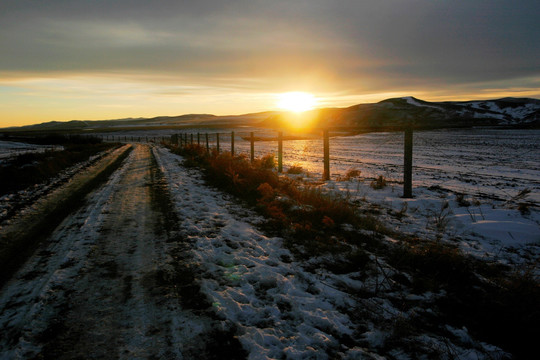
(485, 162)
(496, 163)
(156, 263)
(495, 173)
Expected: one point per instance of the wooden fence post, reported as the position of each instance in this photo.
(191, 138)
(217, 142)
(198, 139)
(280, 152)
(207, 145)
(407, 162)
(232, 143)
(252, 148)
(326, 146)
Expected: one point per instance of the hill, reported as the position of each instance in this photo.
(385, 115)
(397, 112)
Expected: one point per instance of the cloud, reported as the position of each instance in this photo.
(346, 47)
(451, 40)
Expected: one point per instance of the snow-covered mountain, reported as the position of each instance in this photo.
(518, 112)
(510, 110)
(385, 115)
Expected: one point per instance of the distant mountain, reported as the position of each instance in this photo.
(385, 115)
(159, 121)
(397, 112)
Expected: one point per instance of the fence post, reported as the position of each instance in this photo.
(217, 142)
(326, 146)
(280, 152)
(252, 148)
(407, 162)
(191, 138)
(207, 145)
(232, 143)
(198, 139)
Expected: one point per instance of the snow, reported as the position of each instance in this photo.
(13, 148)
(9, 203)
(279, 308)
(506, 114)
(493, 170)
(413, 101)
(247, 280)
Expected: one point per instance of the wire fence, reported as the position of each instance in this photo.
(488, 163)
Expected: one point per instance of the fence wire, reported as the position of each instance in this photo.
(480, 162)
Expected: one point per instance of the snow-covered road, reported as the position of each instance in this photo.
(101, 285)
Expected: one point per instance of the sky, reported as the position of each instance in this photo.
(107, 59)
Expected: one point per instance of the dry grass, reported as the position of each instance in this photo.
(303, 212)
(378, 183)
(497, 306)
(30, 169)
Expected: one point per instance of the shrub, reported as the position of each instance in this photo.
(352, 174)
(295, 170)
(266, 162)
(378, 183)
(307, 213)
(462, 202)
(523, 208)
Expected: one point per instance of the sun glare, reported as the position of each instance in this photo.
(296, 101)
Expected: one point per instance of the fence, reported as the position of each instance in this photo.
(214, 140)
(492, 163)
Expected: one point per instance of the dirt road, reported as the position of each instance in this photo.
(112, 281)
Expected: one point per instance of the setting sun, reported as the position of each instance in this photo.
(296, 101)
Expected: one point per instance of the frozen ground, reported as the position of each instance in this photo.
(281, 309)
(11, 204)
(100, 286)
(12, 148)
(477, 188)
(112, 279)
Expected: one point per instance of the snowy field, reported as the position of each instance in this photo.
(478, 188)
(12, 148)
(275, 306)
(282, 310)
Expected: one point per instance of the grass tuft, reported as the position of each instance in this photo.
(378, 183)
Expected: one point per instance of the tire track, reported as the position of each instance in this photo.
(114, 281)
